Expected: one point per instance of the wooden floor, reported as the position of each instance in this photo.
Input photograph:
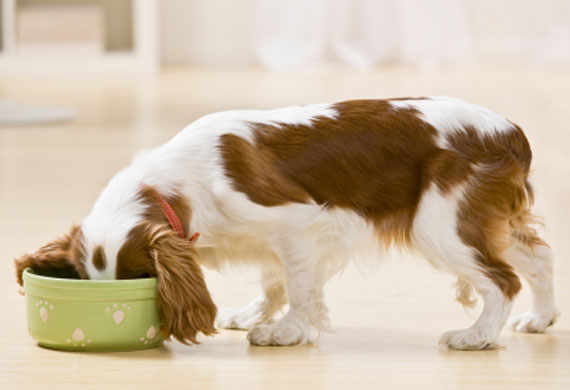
(386, 321)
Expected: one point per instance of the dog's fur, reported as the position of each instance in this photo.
(300, 190)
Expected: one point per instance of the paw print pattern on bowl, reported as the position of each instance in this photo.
(151, 336)
(118, 312)
(78, 339)
(92, 315)
(44, 307)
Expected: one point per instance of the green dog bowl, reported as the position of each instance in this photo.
(92, 315)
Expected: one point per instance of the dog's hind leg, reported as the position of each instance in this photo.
(437, 234)
(532, 259)
(483, 334)
(262, 309)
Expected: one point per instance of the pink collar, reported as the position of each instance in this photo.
(173, 219)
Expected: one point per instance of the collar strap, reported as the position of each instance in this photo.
(173, 218)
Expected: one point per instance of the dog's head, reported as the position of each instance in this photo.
(148, 247)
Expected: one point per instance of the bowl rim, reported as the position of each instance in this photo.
(48, 281)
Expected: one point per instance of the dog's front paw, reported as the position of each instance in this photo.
(281, 333)
(532, 322)
(467, 339)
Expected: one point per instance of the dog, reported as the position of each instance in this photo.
(298, 191)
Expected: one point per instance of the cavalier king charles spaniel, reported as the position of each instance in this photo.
(298, 192)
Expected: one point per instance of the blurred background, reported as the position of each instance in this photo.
(48, 40)
(146, 35)
(268, 47)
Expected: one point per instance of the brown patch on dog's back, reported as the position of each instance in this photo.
(370, 159)
(253, 173)
(446, 169)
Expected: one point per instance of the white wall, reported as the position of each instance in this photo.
(531, 31)
(206, 31)
(527, 32)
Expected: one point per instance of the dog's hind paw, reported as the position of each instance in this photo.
(532, 322)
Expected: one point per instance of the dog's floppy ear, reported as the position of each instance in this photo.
(184, 301)
(59, 258)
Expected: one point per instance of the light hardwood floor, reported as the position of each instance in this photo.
(386, 321)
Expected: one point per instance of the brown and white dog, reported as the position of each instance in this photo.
(300, 190)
